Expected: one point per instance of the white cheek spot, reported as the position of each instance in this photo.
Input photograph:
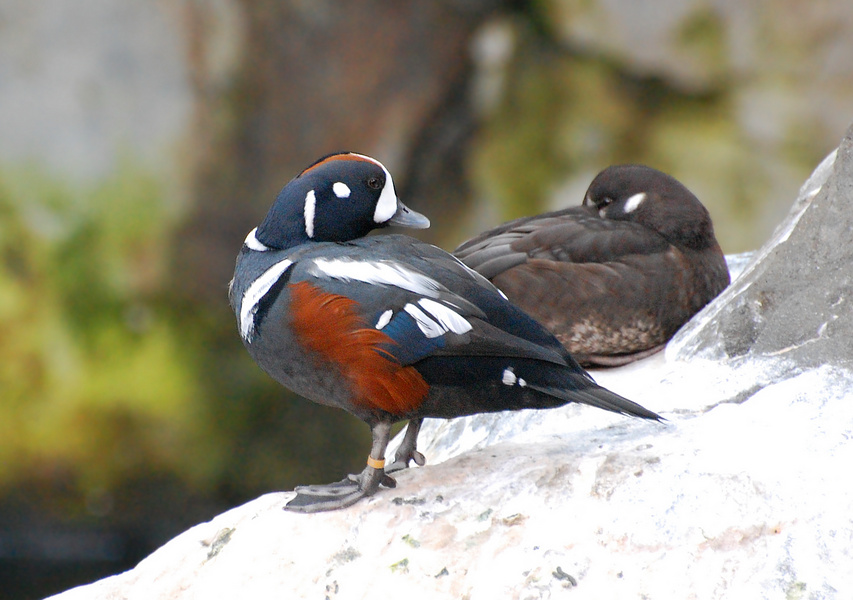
(253, 243)
(341, 189)
(384, 319)
(254, 294)
(602, 212)
(634, 202)
(310, 207)
(509, 377)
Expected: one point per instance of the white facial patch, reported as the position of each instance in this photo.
(253, 243)
(381, 272)
(341, 189)
(310, 207)
(386, 207)
(384, 319)
(254, 294)
(634, 202)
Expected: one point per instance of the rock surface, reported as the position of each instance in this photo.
(740, 494)
(793, 301)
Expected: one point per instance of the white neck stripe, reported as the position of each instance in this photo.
(253, 243)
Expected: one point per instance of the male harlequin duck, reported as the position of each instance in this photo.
(613, 278)
(387, 327)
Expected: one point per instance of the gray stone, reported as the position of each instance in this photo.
(793, 301)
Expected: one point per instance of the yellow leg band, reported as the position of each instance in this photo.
(376, 464)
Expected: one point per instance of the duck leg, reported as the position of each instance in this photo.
(318, 498)
(408, 448)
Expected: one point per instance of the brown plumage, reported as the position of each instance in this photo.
(614, 278)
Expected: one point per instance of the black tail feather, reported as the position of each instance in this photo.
(595, 395)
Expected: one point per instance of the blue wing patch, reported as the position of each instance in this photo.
(411, 343)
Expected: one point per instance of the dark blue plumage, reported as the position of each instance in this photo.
(387, 327)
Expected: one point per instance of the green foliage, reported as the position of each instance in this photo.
(94, 380)
(566, 113)
(119, 396)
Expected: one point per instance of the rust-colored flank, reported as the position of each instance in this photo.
(330, 326)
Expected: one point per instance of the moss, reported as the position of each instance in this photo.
(561, 114)
(702, 38)
(94, 375)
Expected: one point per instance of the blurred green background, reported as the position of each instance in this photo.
(141, 139)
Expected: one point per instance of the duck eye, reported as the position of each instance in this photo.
(374, 183)
(606, 201)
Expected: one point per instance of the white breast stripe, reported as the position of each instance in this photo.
(509, 377)
(384, 319)
(446, 316)
(310, 205)
(253, 295)
(253, 243)
(380, 272)
(634, 202)
(428, 327)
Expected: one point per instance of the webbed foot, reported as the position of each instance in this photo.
(333, 496)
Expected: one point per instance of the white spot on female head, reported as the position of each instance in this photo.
(253, 243)
(384, 319)
(509, 377)
(310, 206)
(386, 206)
(634, 202)
(341, 189)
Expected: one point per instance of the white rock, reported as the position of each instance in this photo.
(732, 498)
(743, 493)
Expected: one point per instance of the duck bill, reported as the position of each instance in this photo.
(406, 217)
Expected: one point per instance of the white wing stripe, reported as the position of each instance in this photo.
(447, 317)
(376, 272)
(428, 327)
(384, 319)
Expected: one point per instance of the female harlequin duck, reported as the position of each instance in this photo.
(613, 278)
(387, 327)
